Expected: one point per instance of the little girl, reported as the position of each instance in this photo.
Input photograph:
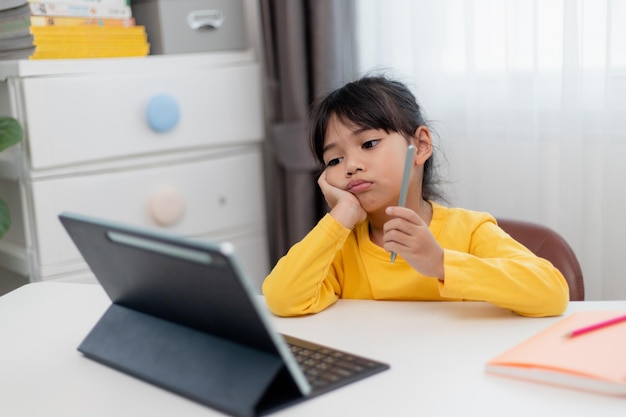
(360, 133)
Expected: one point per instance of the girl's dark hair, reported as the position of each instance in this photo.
(372, 102)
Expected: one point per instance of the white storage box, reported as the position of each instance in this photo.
(187, 26)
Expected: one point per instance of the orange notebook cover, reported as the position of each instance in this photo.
(594, 361)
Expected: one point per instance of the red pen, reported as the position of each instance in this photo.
(597, 326)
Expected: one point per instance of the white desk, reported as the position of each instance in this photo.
(437, 353)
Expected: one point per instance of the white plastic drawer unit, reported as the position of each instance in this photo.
(209, 197)
(80, 119)
(173, 142)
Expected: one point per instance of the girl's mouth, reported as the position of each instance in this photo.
(358, 186)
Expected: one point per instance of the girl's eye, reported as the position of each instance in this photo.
(370, 143)
(333, 162)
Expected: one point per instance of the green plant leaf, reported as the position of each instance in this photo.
(5, 218)
(10, 132)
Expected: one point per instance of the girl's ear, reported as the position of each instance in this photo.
(424, 144)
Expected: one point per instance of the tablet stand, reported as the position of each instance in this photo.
(222, 374)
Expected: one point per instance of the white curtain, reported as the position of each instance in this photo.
(528, 99)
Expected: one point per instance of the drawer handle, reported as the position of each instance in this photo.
(166, 206)
(162, 113)
(205, 19)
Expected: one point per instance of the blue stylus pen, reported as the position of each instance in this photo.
(408, 162)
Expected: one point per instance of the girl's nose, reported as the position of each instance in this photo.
(353, 166)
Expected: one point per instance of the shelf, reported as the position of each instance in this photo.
(165, 63)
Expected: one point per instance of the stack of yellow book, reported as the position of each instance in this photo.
(88, 41)
(63, 29)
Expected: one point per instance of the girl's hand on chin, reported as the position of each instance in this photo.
(345, 207)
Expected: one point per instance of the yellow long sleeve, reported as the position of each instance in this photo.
(481, 263)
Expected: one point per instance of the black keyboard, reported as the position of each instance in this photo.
(327, 368)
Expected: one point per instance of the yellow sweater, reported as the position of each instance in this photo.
(481, 263)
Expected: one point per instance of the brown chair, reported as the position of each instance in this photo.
(548, 244)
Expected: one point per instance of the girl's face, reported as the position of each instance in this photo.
(368, 163)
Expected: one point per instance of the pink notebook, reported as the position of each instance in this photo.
(594, 361)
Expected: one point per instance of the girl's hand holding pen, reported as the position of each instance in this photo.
(345, 207)
(409, 236)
